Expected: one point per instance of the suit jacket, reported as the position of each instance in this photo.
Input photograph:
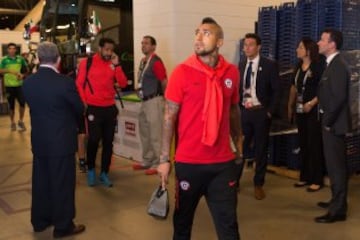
(334, 96)
(55, 111)
(267, 83)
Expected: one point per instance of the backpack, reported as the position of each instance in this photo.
(88, 65)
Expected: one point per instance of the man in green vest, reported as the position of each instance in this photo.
(13, 67)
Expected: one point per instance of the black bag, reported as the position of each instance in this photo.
(158, 206)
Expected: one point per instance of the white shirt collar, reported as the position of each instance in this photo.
(49, 66)
(255, 61)
(331, 57)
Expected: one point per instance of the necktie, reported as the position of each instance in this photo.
(248, 75)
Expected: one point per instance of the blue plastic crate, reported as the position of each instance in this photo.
(284, 151)
(307, 19)
(287, 39)
(267, 30)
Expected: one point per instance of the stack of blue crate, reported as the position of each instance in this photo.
(286, 37)
(267, 30)
(307, 19)
(284, 150)
(330, 14)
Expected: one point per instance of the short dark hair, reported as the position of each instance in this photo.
(105, 40)
(11, 45)
(152, 39)
(335, 36)
(209, 20)
(254, 36)
(312, 47)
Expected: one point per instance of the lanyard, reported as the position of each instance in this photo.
(143, 68)
(307, 74)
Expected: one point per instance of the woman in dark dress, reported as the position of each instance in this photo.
(304, 102)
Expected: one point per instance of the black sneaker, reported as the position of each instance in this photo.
(82, 166)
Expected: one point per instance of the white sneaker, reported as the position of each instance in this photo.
(13, 127)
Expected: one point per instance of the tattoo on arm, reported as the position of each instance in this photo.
(170, 117)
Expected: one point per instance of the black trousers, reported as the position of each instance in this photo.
(256, 127)
(311, 148)
(13, 93)
(53, 192)
(101, 126)
(335, 159)
(217, 182)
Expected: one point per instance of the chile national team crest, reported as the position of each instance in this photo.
(184, 185)
(228, 83)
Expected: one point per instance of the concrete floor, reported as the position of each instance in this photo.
(120, 212)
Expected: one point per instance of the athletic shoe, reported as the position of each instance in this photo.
(91, 177)
(138, 166)
(21, 126)
(104, 179)
(151, 171)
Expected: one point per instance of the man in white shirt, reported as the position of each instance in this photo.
(258, 98)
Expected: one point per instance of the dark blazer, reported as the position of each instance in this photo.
(267, 83)
(55, 111)
(334, 96)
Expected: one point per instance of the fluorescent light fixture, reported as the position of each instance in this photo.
(63, 26)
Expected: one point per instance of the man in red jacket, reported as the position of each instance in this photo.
(96, 89)
(202, 99)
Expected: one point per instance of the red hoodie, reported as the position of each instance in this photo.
(102, 75)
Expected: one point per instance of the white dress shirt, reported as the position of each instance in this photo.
(252, 100)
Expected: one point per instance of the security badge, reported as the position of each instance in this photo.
(299, 104)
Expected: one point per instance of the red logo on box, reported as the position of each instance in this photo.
(130, 128)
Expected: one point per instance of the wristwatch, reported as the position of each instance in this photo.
(164, 159)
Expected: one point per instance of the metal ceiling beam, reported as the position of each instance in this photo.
(10, 11)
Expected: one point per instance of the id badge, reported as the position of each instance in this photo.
(299, 104)
(140, 94)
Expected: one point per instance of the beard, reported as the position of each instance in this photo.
(204, 52)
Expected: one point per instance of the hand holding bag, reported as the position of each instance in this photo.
(158, 206)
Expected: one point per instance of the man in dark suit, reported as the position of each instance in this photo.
(335, 120)
(258, 97)
(55, 110)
